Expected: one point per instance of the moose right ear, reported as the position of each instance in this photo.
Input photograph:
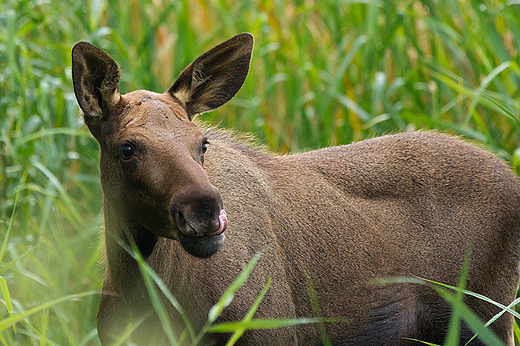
(95, 76)
(215, 76)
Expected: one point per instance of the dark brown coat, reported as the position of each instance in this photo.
(334, 219)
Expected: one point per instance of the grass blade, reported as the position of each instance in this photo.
(11, 219)
(249, 316)
(4, 324)
(457, 303)
(471, 319)
(156, 301)
(7, 298)
(483, 86)
(227, 297)
(263, 324)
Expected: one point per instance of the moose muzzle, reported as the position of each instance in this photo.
(198, 214)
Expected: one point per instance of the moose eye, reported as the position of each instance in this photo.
(204, 147)
(127, 151)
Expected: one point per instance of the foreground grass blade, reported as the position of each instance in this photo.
(154, 297)
(465, 313)
(479, 296)
(3, 341)
(171, 299)
(484, 334)
(150, 276)
(7, 298)
(263, 324)
(130, 330)
(422, 342)
(316, 310)
(494, 318)
(4, 324)
(417, 280)
(11, 219)
(457, 303)
(249, 316)
(227, 297)
(517, 331)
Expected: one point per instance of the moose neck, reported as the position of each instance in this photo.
(120, 234)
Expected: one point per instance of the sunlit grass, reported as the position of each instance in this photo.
(323, 73)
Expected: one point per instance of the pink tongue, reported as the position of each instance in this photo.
(223, 221)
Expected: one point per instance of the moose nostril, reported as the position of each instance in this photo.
(184, 226)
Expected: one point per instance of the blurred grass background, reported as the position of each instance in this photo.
(323, 73)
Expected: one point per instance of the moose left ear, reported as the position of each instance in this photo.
(214, 77)
(96, 80)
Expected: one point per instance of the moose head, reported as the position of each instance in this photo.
(152, 154)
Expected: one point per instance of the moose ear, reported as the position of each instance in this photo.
(214, 77)
(96, 79)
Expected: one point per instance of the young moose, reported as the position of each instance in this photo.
(335, 218)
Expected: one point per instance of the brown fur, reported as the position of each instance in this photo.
(335, 218)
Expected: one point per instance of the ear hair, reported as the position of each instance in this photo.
(95, 76)
(214, 77)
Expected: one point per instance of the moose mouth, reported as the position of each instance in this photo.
(202, 244)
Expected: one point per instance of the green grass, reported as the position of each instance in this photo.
(323, 73)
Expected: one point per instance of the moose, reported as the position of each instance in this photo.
(199, 202)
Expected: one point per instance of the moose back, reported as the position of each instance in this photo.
(199, 203)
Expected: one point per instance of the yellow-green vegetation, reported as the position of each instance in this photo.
(324, 72)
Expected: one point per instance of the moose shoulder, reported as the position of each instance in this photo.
(199, 203)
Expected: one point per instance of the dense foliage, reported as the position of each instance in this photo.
(323, 73)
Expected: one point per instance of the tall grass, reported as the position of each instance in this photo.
(323, 73)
